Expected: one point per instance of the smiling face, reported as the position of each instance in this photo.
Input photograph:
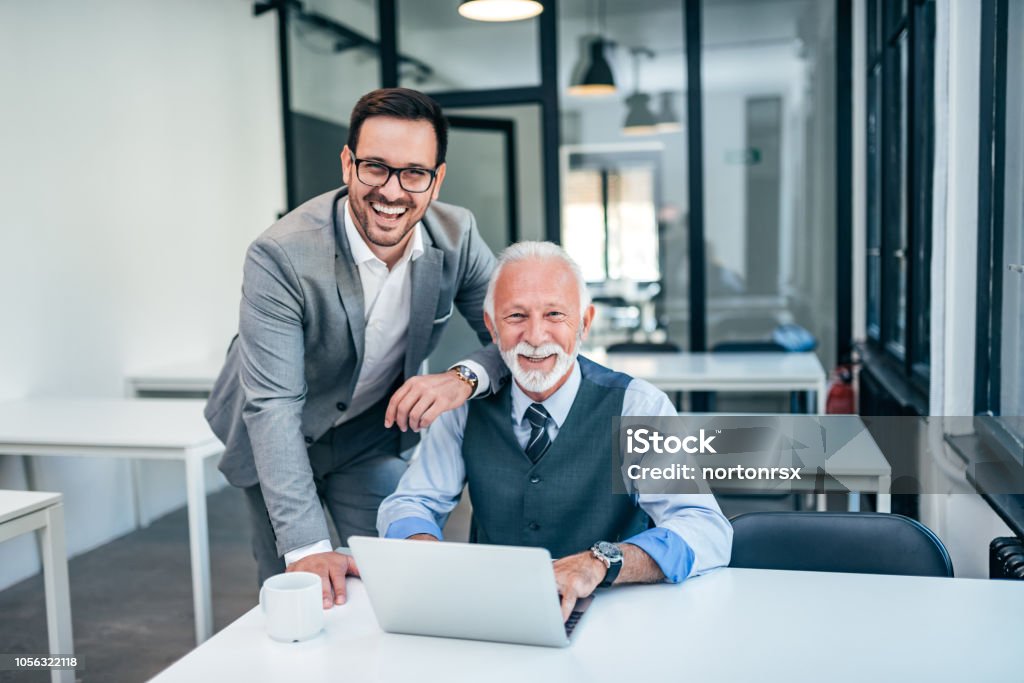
(538, 324)
(386, 215)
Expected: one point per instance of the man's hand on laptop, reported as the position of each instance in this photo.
(577, 576)
(332, 568)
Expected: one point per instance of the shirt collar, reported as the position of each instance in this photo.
(557, 404)
(361, 252)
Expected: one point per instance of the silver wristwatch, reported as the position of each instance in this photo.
(611, 556)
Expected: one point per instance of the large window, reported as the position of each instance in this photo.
(900, 142)
(1000, 361)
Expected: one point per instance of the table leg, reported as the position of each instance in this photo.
(199, 547)
(884, 497)
(141, 518)
(58, 594)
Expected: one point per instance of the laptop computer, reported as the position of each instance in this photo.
(498, 593)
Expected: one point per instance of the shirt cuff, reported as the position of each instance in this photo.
(410, 526)
(293, 556)
(483, 382)
(668, 550)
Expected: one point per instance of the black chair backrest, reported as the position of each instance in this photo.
(744, 346)
(858, 542)
(643, 347)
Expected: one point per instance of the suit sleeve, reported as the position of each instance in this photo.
(272, 376)
(470, 301)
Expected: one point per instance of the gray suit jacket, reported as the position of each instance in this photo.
(296, 358)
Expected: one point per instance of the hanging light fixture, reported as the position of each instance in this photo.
(593, 74)
(500, 10)
(668, 119)
(639, 118)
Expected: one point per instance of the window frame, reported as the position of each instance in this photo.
(993, 80)
(900, 158)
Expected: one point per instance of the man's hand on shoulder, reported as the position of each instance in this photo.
(419, 401)
(577, 576)
(332, 568)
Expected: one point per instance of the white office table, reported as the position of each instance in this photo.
(189, 378)
(22, 512)
(710, 371)
(124, 428)
(857, 466)
(684, 371)
(730, 625)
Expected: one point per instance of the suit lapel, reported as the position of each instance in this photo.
(350, 287)
(426, 288)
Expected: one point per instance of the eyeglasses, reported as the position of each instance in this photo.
(411, 179)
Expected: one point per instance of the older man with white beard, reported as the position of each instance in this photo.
(536, 455)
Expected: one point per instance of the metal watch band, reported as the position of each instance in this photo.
(461, 372)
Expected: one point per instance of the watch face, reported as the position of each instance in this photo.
(467, 373)
(609, 550)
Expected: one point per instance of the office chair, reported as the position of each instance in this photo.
(856, 542)
(649, 347)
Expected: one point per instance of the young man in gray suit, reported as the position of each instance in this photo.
(342, 300)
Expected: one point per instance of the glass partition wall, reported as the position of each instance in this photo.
(624, 175)
(683, 151)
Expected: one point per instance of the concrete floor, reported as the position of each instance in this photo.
(131, 599)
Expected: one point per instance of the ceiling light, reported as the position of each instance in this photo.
(668, 119)
(500, 10)
(639, 118)
(594, 78)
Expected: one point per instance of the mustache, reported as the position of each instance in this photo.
(525, 349)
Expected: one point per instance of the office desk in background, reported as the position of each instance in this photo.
(127, 428)
(22, 512)
(710, 371)
(730, 625)
(684, 371)
(176, 380)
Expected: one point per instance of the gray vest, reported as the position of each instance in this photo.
(565, 502)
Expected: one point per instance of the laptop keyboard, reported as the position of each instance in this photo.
(574, 618)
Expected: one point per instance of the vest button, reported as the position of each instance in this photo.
(309, 439)
(534, 526)
(341, 406)
(535, 479)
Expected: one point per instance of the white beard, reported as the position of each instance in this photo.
(538, 381)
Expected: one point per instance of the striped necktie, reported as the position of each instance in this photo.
(539, 441)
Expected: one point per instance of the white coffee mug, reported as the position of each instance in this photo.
(292, 605)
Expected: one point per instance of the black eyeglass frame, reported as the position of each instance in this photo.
(395, 171)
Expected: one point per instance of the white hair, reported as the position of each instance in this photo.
(539, 251)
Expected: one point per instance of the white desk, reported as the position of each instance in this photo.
(191, 378)
(708, 371)
(857, 465)
(731, 625)
(22, 512)
(124, 428)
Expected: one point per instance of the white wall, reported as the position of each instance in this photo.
(141, 153)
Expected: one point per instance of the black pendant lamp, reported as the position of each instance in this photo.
(500, 10)
(639, 118)
(668, 119)
(595, 77)
(593, 73)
